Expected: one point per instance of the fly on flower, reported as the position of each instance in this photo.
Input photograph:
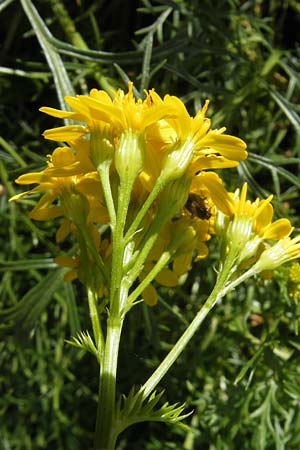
(198, 206)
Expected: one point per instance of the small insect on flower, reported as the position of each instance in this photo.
(198, 206)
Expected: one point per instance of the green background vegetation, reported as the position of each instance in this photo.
(241, 373)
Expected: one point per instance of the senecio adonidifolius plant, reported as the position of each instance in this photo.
(144, 168)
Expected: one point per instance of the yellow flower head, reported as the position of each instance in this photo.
(172, 142)
(259, 213)
(71, 189)
(294, 273)
(83, 267)
(286, 249)
(180, 142)
(180, 127)
(294, 281)
(122, 113)
(245, 224)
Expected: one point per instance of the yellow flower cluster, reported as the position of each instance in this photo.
(246, 229)
(145, 146)
(294, 273)
(154, 152)
(294, 282)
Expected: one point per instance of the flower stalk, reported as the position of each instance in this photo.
(95, 319)
(217, 293)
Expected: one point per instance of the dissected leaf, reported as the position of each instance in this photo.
(83, 340)
(136, 408)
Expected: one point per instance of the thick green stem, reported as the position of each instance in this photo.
(107, 387)
(104, 439)
(119, 248)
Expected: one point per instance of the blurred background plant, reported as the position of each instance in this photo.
(240, 375)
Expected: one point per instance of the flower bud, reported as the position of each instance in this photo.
(284, 250)
(174, 196)
(101, 145)
(237, 234)
(177, 161)
(130, 155)
(182, 238)
(75, 206)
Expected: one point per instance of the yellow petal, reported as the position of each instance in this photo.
(182, 263)
(156, 113)
(150, 295)
(264, 216)
(101, 111)
(63, 231)
(202, 251)
(278, 229)
(97, 212)
(74, 169)
(102, 96)
(66, 133)
(88, 186)
(66, 261)
(211, 162)
(46, 213)
(45, 201)
(77, 105)
(184, 120)
(217, 192)
(18, 196)
(30, 178)
(261, 206)
(32, 191)
(62, 156)
(167, 278)
(56, 112)
(71, 275)
(229, 146)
